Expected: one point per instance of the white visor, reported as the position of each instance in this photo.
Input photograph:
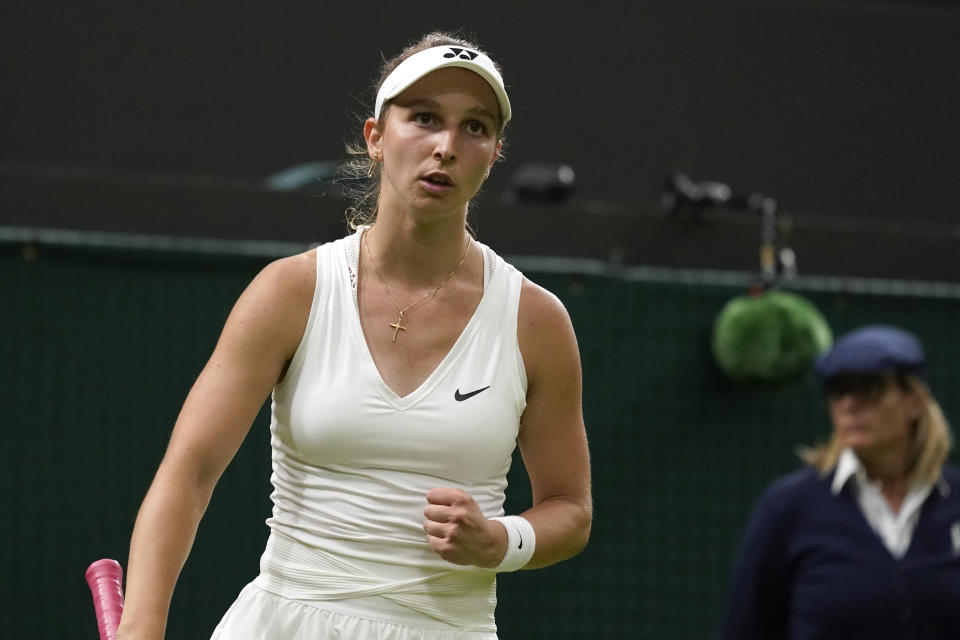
(423, 62)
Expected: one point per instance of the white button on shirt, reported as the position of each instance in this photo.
(895, 529)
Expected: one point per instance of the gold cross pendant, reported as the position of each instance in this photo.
(396, 326)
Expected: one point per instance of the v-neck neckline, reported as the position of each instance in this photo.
(401, 403)
(853, 502)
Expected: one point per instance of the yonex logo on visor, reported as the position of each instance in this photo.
(465, 54)
(423, 62)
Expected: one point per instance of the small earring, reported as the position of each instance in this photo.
(373, 165)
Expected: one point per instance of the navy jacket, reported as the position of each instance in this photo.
(811, 567)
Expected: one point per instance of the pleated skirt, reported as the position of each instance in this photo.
(260, 615)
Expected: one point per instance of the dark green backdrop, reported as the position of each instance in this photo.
(101, 344)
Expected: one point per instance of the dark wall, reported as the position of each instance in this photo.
(836, 108)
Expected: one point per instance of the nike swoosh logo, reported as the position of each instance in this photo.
(520, 535)
(460, 397)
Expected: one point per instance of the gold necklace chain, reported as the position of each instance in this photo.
(398, 325)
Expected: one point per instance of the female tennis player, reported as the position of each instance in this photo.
(406, 362)
(865, 543)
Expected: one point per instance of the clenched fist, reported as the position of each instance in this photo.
(458, 531)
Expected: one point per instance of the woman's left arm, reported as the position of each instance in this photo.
(553, 440)
(553, 443)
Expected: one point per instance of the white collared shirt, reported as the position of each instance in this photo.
(895, 529)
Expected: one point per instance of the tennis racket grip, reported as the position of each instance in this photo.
(105, 578)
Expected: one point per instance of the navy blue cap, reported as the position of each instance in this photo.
(873, 349)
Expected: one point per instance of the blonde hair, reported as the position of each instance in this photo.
(359, 175)
(932, 440)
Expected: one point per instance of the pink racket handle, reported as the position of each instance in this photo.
(105, 578)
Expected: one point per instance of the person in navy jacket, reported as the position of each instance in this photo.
(863, 543)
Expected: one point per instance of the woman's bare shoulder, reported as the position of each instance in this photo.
(540, 309)
(545, 332)
(288, 280)
(275, 305)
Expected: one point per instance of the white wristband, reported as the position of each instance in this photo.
(521, 541)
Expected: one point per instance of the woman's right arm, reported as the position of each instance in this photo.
(256, 344)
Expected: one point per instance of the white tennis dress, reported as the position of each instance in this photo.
(352, 464)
